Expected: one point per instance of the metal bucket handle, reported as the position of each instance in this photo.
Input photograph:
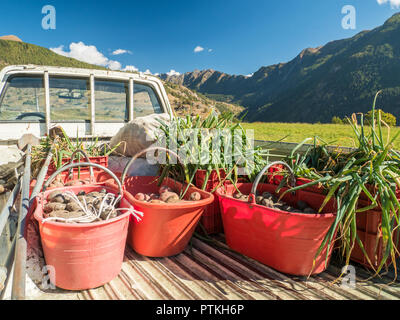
(83, 164)
(292, 181)
(70, 176)
(136, 156)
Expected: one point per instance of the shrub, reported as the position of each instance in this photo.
(337, 120)
(387, 117)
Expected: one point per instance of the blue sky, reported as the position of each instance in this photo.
(238, 37)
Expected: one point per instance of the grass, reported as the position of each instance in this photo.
(333, 134)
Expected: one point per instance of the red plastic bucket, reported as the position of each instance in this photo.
(102, 160)
(285, 241)
(83, 173)
(166, 228)
(211, 218)
(368, 230)
(86, 255)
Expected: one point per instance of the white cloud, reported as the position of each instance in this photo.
(130, 69)
(249, 75)
(114, 65)
(172, 72)
(88, 54)
(393, 3)
(210, 50)
(198, 49)
(120, 51)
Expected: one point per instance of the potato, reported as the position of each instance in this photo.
(173, 200)
(53, 206)
(165, 189)
(301, 205)
(60, 214)
(74, 183)
(82, 199)
(309, 210)
(56, 184)
(95, 194)
(54, 194)
(2, 189)
(156, 201)
(195, 196)
(259, 199)
(90, 200)
(60, 198)
(268, 203)
(76, 214)
(107, 212)
(267, 195)
(166, 195)
(140, 197)
(73, 206)
(152, 196)
(237, 195)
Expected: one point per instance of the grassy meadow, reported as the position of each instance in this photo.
(334, 134)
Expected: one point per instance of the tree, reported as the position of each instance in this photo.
(387, 117)
(337, 120)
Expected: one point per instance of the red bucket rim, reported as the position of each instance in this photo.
(327, 215)
(183, 205)
(39, 216)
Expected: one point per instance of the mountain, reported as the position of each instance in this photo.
(185, 101)
(16, 52)
(336, 79)
(189, 102)
(11, 37)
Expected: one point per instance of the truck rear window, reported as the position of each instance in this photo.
(23, 99)
(69, 99)
(111, 100)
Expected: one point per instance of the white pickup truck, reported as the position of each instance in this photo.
(95, 103)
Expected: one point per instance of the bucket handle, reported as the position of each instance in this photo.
(87, 160)
(83, 164)
(253, 192)
(137, 155)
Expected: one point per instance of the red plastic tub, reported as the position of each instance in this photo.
(211, 218)
(285, 241)
(86, 255)
(102, 160)
(368, 230)
(81, 173)
(166, 228)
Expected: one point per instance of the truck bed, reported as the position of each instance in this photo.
(210, 271)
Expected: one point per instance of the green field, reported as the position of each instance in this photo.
(334, 134)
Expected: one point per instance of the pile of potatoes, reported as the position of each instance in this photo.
(57, 183)
(61, 205)
(271, 201)
(166, 195)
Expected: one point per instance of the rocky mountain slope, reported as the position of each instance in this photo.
(336, 79)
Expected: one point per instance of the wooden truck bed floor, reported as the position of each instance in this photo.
(208, 271)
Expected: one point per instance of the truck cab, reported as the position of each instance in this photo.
(84, 102)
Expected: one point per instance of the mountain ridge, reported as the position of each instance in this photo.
(336, 79)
